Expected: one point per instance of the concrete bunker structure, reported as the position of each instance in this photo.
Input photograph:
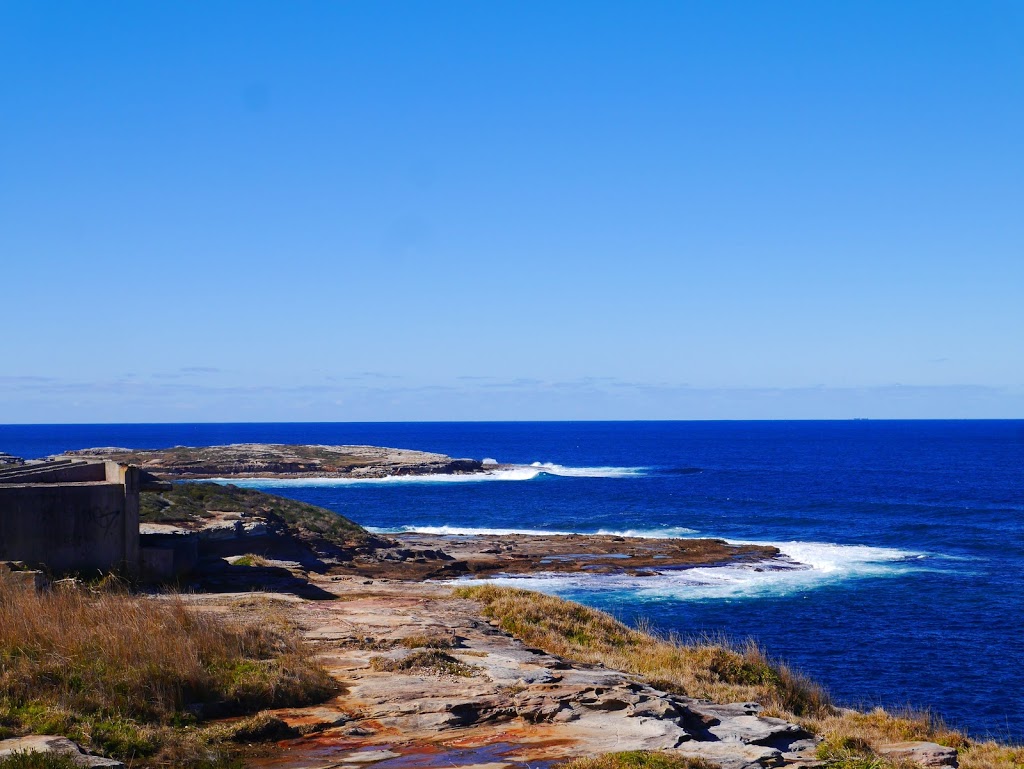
(73, 515)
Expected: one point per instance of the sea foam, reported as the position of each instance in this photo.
(804, 566)
(507, 473)
(469, 531)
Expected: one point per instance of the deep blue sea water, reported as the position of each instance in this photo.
(912, 531)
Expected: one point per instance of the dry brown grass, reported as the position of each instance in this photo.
(991, 755)
(428, 641)
(122, 672)
(707, 669)
(144, 657)
(879, 727)
(432, 661)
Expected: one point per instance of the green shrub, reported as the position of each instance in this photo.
(194, 501)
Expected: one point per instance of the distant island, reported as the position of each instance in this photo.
(271, 460)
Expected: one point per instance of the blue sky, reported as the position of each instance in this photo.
(532, 210)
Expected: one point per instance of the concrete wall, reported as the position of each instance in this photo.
(61, 472)
(129, 478)
(67, 527)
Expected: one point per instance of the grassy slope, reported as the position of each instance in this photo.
(714, 670)
(191, 502)
(706, 670)
(134, 676)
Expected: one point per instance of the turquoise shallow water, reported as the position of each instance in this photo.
(909, 534)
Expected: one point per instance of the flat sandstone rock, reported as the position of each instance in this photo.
(490, 690)
(924, 753)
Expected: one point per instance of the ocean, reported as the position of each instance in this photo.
(909, 532)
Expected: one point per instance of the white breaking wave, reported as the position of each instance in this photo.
(547, 468)
(508, 473)
(803, 566)
(807, 565)
(467, 531)
(459, 531)
(671, 532)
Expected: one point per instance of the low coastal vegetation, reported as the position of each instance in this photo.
(37, 760)
(192, 502)
(638, 759)
(851, 739)
(424, 661)
(138, 677)
(253, 560)
(720, 671)
(706, 670)
(431, 641)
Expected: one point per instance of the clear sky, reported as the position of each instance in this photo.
(441, 210)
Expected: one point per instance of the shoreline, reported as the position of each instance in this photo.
(436, 673)
(300, 463)
(440, 556)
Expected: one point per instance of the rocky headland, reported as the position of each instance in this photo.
(209, 511)
(433, 670)
(430, 681)
(226, 521)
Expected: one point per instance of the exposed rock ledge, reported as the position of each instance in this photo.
(267, 460)
(504, 706)
(513, 704)
(434, 556)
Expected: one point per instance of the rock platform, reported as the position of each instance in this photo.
(507, 703)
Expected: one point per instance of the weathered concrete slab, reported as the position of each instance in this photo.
(71, 515)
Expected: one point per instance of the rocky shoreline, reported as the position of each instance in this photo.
(431, 682)
(428, 680)
(415, 556)
(218, 521)
(507, 701)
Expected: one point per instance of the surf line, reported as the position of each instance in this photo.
(502, 473)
